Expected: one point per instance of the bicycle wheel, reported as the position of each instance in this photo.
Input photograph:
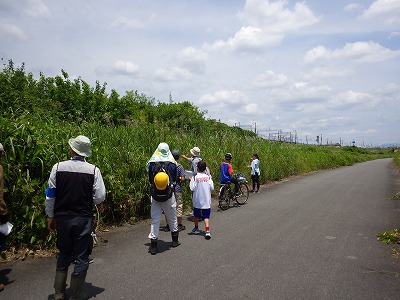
(224, 198)
(244, 194)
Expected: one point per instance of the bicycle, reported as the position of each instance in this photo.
(227, 193)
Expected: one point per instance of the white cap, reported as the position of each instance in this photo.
(163, 148)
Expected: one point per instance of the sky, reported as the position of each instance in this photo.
(289, 69)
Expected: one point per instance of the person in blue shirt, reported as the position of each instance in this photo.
(226, 172)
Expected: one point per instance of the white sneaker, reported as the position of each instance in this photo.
(208, 235)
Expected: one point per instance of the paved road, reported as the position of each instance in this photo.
(312, 237)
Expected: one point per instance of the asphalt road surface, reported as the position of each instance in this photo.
(311, 237)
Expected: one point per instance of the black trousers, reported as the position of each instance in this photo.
(74, 241)
(256, 181)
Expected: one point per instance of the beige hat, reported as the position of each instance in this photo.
(195, 151)
(1, 147)
(80, 145)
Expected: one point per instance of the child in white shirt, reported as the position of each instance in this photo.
(201, 185)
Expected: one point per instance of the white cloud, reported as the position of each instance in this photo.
(171, 74)
(223, 99)
(267, 23)
(275, 16)
(387, 11)
(192, 59)
(270, 79)
(127, 23)
(322, 73)
(119, 67)
(394, 35)
(348, 99)
(10, 30)
(351, 7)
(125, 67)
(307, 91)
(359, 52)
(36, 8)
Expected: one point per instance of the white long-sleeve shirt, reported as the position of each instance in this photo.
(255, 166)
(201, 185)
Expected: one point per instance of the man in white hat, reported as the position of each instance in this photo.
(194, 159)
(3, 206)
(73, 187)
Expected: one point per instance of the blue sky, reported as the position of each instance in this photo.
(315, 67)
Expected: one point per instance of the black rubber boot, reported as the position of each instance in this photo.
(153, 247)
(60, 284)
(77, 282)
(175, 237)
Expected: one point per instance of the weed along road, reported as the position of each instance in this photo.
(312, 237)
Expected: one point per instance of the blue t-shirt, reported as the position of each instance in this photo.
(224, 174)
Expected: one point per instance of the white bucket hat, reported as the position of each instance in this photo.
(1, 147)
(163, 148)
(195, 151)
(80, 145)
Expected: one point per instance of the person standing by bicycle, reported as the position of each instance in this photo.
(255, 173)
(226, 173)
(74, 186)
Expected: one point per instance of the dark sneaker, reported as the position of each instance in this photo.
(166, 228)
(252, 191)
(181, 227)
(195, 231)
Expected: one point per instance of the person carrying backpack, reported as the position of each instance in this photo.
(226, 173)
(162, 173)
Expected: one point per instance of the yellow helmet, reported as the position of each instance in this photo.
(161, 180)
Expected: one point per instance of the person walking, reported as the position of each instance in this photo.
(3, 207)
(201, 185)
(162, 175)
(73, 187)
(255, 173)
(178, 192)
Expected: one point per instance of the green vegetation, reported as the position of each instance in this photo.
(389, 236)
(38, 116)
